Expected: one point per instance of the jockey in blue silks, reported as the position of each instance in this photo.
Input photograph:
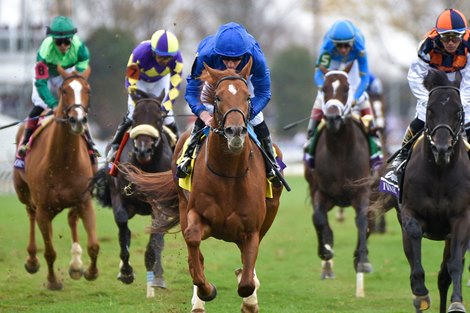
(231, 47)
(343, 48)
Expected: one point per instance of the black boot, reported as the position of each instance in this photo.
(23, 147)
(91, 146)
(309, 147)
(121, 130)
(270, 172)
(397, 164)
(184, 168)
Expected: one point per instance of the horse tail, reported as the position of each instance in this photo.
(157, 189)
(99, 188)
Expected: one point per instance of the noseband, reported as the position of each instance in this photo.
(429, 133)
(220, 130)
(147, 129)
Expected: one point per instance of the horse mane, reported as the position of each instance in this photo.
(436, 78)
(210, 81)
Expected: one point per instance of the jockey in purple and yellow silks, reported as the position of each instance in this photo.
(343, 48)
(154, 66)
(60, 47)
(445, 48)
(231, 47)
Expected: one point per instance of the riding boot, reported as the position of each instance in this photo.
(271, 162)
(184, 168)
(405, 150)
(121, 130)
(376, 155)
(24, 144)
(309, 147)
(94, 153)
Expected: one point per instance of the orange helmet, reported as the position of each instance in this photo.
(451, 21)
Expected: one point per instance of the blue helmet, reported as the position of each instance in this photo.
(342, 31)
(231, 40)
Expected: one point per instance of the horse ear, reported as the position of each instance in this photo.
(86, 73)
(245, 72)
(323, 69)
(161, 96)
(348, 68)
(210, 74)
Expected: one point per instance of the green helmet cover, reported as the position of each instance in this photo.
(61, 27)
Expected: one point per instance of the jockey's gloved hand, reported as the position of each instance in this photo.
(132, 89)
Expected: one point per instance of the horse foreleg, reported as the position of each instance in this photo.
(443, 278)
(412, 237)
(193, 234)
(87, 214)
(76, 264)
(250, 303)
(126, 272)
(361, 260)
(249, 249)
(32, 262)
(198, 306)
(44, 222)
(324, 235)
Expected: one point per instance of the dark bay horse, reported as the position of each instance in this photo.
(435, 202)
(56, 176)
(148, 149)
(228, 198)
(342, 155)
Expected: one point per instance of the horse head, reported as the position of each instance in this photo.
(74, 100)
(147, 126)
(335, 105)
(444, 115)
(232, 103)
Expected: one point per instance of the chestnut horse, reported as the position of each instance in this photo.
(56, 176)
(228, 198)
(342, 155)
(435, 202)
(149, 149)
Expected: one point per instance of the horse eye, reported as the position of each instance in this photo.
(217, 99)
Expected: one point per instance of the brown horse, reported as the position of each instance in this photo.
(56, 176)
(228, 197)
(435, 202)
(342, 157)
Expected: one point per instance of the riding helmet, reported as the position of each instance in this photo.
(451, 21)
(61, 27)
(164, 43)
(342, 31)
(231, 40)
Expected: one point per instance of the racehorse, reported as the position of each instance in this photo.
(228, 198)
(56, 176)
(342, 157)
(432, 204)
(148, 149)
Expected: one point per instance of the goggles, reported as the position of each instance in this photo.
(233, 59)
(341, 45)
(448, 37)
(62, 41)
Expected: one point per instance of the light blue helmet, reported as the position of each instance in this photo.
(231, 40)
(342, 31)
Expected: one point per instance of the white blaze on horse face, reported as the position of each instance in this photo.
(232, 89)
(335, 86)
(77, 91)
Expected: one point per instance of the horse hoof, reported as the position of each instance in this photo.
(56, 285)
(90, 275)
(456, 307)
(159, 282)
(422, 303)
(246, 291)
(32, 267)
(126, 278)
(75, 274)
(327, 270)
(210, 296)
(364, 267)
(249, 308)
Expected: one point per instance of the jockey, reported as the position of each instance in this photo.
(344, 47)
(154, 66)
(445, 47)
(60, 47)
(231, 47)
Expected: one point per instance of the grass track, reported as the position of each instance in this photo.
(288, 267)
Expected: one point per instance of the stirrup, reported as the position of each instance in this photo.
(184, 168)
(112, 153)
(22, 150)
(272, 177)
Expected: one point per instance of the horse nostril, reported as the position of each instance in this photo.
(85, 120)
(229, 131)
(72, 120)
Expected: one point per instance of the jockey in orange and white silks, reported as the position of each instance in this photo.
(445, 47)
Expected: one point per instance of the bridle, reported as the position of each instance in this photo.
(429, 133)
(345, 109)
(221, 118)
(71, 106)
(147, 129)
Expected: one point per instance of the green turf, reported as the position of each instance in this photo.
(287, 266)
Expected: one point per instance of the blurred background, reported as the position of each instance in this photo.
(289, 31)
